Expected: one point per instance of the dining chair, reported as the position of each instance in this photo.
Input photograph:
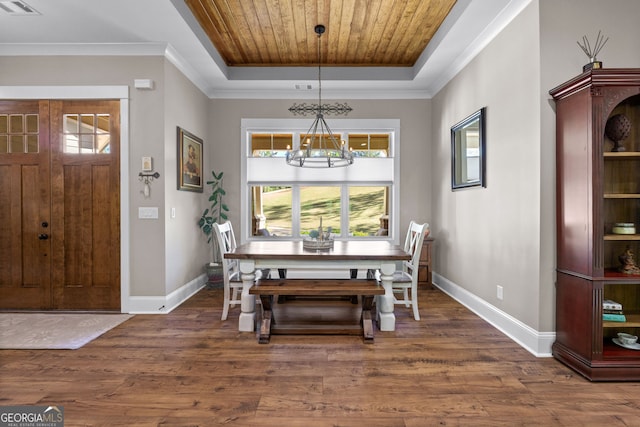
(226, 241)
(405, 280)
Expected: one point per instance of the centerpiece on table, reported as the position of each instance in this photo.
(319, 240)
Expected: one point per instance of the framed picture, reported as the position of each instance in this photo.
(189, 161)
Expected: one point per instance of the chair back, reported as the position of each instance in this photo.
(226, 241)
(413, 245)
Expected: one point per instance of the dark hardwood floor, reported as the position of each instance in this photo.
(188, 368)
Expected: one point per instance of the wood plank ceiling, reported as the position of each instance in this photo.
(391, 33)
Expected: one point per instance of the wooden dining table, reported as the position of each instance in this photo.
(345, 255)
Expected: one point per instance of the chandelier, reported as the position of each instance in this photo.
(319, 148)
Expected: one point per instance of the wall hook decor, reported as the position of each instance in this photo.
(147, 179)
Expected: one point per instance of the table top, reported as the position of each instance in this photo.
(342, 250)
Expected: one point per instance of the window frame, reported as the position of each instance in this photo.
(364, 172)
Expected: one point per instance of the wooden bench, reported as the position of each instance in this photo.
(267, 289)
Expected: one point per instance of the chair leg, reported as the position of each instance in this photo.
(406, 297)
(414, 302)
(225, 303)
(235, 297)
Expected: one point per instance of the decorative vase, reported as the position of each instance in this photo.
(617, 129)
(214, 274)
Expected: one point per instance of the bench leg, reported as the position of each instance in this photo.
(367, 323)
(267, 316)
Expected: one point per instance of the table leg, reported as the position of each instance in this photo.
(247, 319)
(367, 322)
(267, 317)
(386, 317)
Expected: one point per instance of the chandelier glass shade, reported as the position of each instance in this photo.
(319, 147)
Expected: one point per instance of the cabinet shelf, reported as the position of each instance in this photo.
(622, 237)
(633, 321)
(622, 155)
(622, 196)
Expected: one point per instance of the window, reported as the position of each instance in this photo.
(369, 145)
(357, 202)
(270, 144)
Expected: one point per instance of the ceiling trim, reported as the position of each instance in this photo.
(82, 49)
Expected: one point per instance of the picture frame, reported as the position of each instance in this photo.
(190, 161)
(468, 152)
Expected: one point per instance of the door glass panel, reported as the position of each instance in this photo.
(32, 123)
(4, 144)
(70, 124)
(15, 123)
(86, 143)
(4, 123)
(32, 143)
(17, 144)
(102, 123)
(103, 143)
(87, 123)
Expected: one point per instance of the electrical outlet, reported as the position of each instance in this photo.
(500, 294)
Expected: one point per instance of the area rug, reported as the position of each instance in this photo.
(19, 331)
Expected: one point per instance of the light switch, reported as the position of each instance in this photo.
(173, 212)
(148, 213)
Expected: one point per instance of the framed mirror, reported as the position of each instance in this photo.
(468, 152)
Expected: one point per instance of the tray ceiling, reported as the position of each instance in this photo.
(358, 32)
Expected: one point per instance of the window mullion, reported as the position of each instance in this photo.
(295, 210)
(344, 211)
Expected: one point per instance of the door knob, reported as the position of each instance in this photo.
(43, 236)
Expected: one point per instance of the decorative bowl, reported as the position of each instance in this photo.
(627, 339)
(317, 245)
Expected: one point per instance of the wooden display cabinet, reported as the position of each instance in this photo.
(425, 267)
(596, 188)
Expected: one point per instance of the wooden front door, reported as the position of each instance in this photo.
(60, 205)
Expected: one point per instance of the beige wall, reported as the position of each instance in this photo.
(186, 247)
(415, 150)
(491, 236)
(505, 234)
(160, 260)
(501, 235)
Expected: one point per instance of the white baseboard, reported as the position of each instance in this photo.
(165, 304)
(537, 343)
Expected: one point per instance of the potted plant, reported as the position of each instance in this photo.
(215, 213)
